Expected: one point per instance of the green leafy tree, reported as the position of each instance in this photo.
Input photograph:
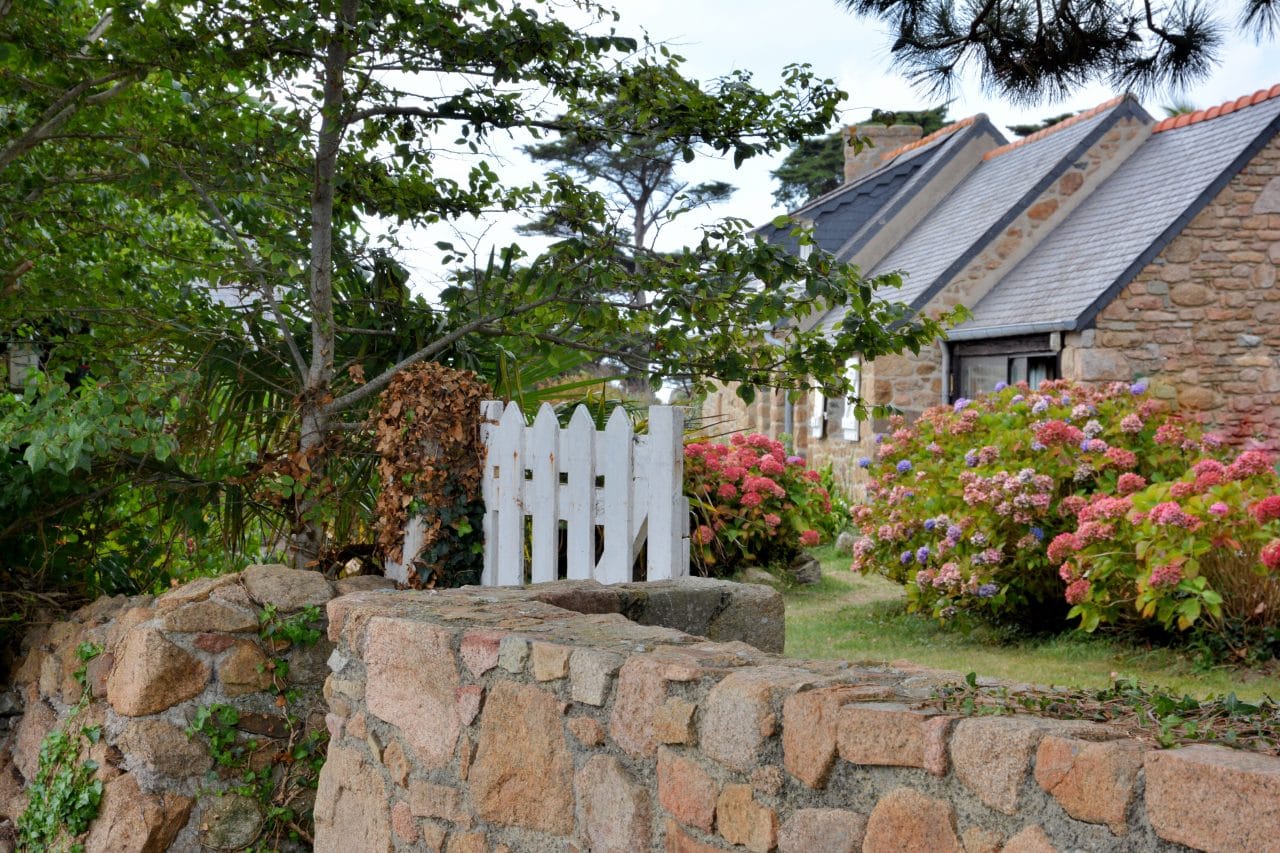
(268, 135)
(623, 149)
(1025, 130)
(816, 165)
(1030, 51)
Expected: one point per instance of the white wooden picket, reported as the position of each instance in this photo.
(630, 486)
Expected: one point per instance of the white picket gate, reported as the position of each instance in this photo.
(630, 485)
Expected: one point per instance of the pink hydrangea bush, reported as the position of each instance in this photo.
(964, 504)
(1206, 544)
(752, 504)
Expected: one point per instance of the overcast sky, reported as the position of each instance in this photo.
(718, 36)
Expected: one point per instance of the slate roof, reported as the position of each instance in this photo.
(1084, 261)
(842, 213)
(1121, 227)
(984, 203)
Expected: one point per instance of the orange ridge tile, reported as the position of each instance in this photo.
(920, 143)
(1178, 121)
(1054, 128)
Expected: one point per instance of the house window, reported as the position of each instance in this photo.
(978, 366)
(849, 423)
(817, 414)
(20, 361)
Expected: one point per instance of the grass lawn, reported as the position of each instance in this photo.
(851, 617)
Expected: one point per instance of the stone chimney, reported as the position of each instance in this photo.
(884, 139)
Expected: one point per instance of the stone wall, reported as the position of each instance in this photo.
(1203, 320)
(480, 720)
(161, 659)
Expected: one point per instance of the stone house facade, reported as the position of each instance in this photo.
(1108, 247)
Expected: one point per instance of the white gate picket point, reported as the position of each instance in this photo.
(668, 524)
(506, 460)
(490, 414)
(542, 458)
(641, 499)
(615, 464)
(577, 459)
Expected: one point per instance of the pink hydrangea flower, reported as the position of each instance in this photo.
(1219, 509)
(1131, 423)
(751, 499)
(1130, 483)
(1251, 463)
(1171, 513)
(1078, 590)
(1058, 432)
(1170, 433)
(1167, 575)
(1062, 547)
(1072, 504)
(1121, 458)
(1271, 555)
(1267, 509)
(763, 484)
(771, 466)
(809, 538)
(727, 491)
(772, 519)
(703, 535)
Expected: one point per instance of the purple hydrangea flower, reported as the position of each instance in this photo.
(1066, 399)
(971, 458)
(1016, 399)
(904, 466)
(930, 523)
(960, 404)
(1038, 533)
(1040, 407)
(1139, 387)
(1000, 386)
(922, 554)
(906, 557)
(1037, 446)
(987, 590)
(878, 437)
(954, 533)
(864, 462)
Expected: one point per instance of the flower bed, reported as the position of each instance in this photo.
(1009, 506)
(1207, 543)
(752, 503)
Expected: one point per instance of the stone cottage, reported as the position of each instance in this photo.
(1108, 247)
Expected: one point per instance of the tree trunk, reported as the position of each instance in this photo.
(308, 537)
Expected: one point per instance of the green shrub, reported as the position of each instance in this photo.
(751, 504)
(962, 503)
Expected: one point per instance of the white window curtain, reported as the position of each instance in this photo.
(817, 414)
(849, 423)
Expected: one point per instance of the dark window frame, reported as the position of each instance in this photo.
(1020, 346)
